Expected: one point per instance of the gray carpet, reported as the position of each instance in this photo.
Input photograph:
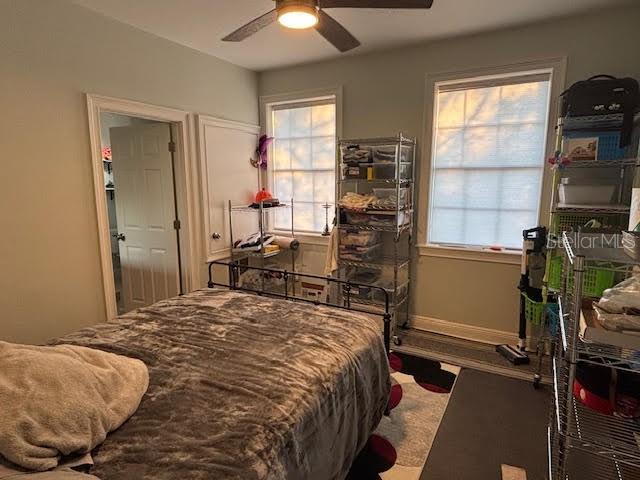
(490, 420)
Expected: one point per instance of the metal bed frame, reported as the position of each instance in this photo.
(234, 268)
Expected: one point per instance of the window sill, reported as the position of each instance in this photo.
(510, 257)
(312, 239)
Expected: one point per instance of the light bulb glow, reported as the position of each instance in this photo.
(298, 18)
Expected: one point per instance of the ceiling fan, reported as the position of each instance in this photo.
(303, 14)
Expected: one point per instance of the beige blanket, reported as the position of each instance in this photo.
(63, 400)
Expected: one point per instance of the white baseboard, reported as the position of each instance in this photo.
(461, 330)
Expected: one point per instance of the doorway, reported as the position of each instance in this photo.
(174, 266)
(140, 192)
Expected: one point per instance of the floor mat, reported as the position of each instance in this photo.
(469, 354)
(399, 447)
(491, 421)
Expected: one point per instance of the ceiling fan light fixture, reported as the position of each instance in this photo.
(298, 17)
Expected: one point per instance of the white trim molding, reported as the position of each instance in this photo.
(508, 257)
(267, 104)
(187, 178)
(464, 331)
(303, 95)
(556, 67)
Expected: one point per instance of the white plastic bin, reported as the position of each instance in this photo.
(586, 194)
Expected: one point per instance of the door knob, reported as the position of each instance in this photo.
(216, 236)
(119, 236)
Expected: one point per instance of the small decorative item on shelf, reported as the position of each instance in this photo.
(262, 152)
(264, 198)
(263, 195)
(558, 160)
(581, 148)
(327, 231)
(106, 154)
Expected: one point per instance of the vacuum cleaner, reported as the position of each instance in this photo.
(534, 243)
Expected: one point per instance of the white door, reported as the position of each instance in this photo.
(225, 150)
(145, 211)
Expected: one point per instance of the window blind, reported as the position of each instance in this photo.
(487, 160)
(303, 164)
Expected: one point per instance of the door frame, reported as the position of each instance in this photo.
(186, 179)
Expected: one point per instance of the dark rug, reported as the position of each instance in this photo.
(490, 420)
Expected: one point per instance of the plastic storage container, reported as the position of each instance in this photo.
(357, 172)
(533, 310)
(355, 154)
(359, 253)
(394, 297)
(572, 222)
(361, 239)
(376, 171)
(596, 280)
(386, 197)
(371, 220)
(387, 153)
(586, 194)
(608, 144)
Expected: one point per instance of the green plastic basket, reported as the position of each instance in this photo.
(596, 279)
(533, 310)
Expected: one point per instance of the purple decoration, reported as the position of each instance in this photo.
(263, 151)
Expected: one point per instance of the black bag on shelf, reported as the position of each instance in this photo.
(602, 95)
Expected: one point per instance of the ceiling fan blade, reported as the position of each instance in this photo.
(335, 33)
(376, 3)
(252, 27)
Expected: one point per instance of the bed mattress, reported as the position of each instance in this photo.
(244, 387)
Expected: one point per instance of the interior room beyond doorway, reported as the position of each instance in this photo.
(139, 171)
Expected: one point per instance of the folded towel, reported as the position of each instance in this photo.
(63, 400)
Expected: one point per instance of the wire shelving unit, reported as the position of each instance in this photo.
(585, 444)
(261, 255)
(394, 222)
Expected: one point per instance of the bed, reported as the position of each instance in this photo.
(244, 387)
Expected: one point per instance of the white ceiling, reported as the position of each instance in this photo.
(200, 24)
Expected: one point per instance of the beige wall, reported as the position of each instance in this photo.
(51, 53)
(385, 93)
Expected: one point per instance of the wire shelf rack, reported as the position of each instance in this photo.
(595, 122)
(573, 458)
(625, 162)
(403, 182)
(584, 443)
(376, 228)
(377, 306)
(605, 209)
(380, 263)
(256, 209)
(394, 220)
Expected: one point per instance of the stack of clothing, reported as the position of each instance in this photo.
(354, 155)
(356, 201)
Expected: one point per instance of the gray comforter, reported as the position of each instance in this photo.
(244, 387)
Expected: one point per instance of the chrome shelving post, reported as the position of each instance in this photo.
(576, 309)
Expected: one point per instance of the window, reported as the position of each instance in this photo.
(303, 162)
(487, 160)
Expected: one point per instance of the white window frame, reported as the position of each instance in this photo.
(308, 96)
(555, 68)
